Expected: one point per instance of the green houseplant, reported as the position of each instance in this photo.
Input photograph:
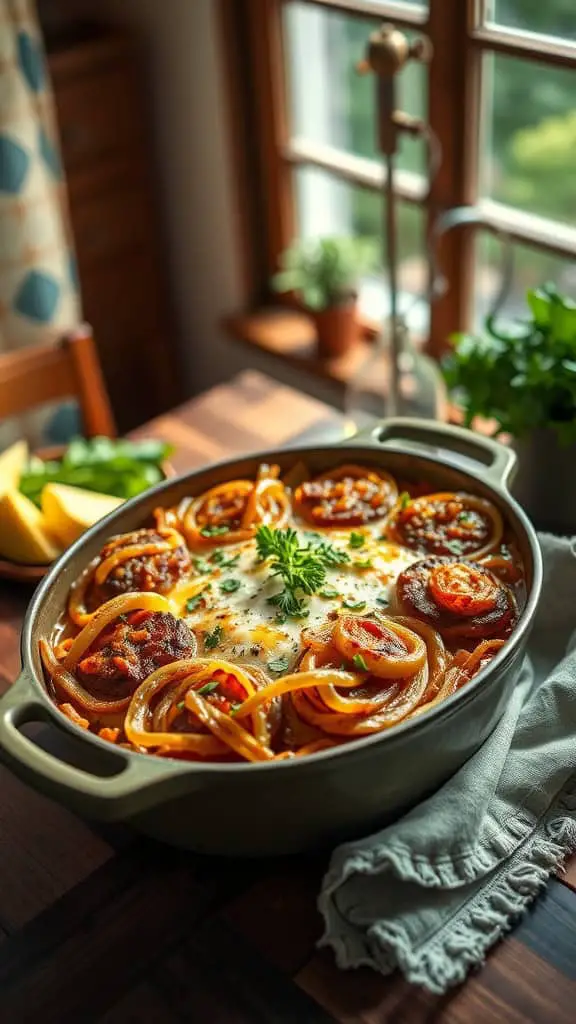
(522, 376)
(324, 273)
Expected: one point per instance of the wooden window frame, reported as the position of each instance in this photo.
(264, 154)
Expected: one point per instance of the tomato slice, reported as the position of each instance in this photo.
(462, 589)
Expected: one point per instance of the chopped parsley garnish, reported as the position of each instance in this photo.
(180, 705)
(356, 540)
(330, 555)
(229, 586)
(329, 592)
(279, 664)
(353, 605)
(211, 640)
(463, 516)
(193, 602)
(303, 613)
(360, 663)
(302, 568)
(454, 546)
(213, 531)
(208, 687)
(366, 563)
(404, 499)
(201, 565)
(225, 561)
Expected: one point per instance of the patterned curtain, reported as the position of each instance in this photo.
(38, 285)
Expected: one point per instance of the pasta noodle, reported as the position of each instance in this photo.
(230, 630)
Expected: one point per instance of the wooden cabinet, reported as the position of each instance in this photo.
(103, 122)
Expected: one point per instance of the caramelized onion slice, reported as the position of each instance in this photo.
(436, 653)
(297, 681)
(387, 649)
(231, 512)
(404, 701)
(227, 729)
(149, 706)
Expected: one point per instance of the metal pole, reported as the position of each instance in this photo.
(392, 253)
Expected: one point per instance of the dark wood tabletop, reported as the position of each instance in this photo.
(99, 924)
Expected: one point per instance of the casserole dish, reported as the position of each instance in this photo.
(291, 805)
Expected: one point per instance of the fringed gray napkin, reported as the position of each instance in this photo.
(433, 892)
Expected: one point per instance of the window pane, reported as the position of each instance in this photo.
(330, 102)
(530, 137)
(532, 267)
(327, 206)
(546, 17)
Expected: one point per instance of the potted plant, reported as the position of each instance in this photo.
(523, 377)
(324, 273)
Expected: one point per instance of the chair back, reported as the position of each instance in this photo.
(38, 374)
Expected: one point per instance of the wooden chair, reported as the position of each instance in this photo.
(32, 376)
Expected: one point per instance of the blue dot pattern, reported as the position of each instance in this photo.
(38, 282)
(37, 296)
(65, 424)
(31, 60)
(14, 165)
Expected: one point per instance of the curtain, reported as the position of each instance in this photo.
(38, 285)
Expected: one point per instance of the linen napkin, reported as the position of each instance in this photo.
(431, 893)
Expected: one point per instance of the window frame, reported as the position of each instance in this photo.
(264, 155)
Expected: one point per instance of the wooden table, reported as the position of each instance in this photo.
(97, 924)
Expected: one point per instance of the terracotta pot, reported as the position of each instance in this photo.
(336, 328)
(544, 484)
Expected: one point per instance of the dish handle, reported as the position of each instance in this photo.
(128, 784)
(425, 437)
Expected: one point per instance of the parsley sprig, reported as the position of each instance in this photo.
(301, 567)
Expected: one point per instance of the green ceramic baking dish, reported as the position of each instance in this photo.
(286, 806)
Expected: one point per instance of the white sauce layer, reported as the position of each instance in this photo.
(250, 630)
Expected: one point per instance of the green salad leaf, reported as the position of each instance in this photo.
(122, 468)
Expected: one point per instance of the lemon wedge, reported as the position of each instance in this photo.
(68, 511)
(12, 463)
(24, 535)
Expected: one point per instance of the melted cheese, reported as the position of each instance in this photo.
(247, 626)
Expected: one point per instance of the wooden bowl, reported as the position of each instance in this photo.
(21, 573)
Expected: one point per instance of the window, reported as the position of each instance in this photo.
(500, 95)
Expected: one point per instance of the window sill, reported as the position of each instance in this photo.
(288, 336)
